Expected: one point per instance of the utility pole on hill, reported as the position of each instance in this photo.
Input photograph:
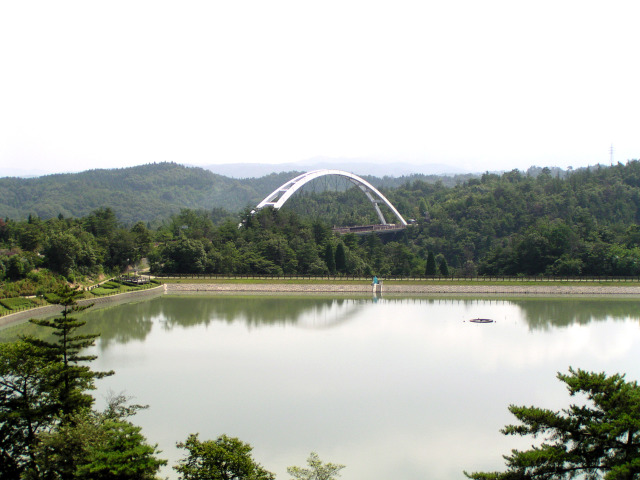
(611, 155)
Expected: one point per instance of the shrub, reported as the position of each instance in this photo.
(100, 291)
(17, 303)
(51, 297)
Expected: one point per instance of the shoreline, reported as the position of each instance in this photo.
(313, 288)
(51, 310)
(576, 290)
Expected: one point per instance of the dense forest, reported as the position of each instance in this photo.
(581, 223)
(149, 193)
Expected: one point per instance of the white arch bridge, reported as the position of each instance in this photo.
(280, 195)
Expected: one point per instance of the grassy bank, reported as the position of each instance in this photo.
(18, 304)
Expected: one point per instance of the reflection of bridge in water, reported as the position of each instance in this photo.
(280, 195)
(331, 315)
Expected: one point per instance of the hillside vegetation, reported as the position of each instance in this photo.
(148, 193)
(585, 223)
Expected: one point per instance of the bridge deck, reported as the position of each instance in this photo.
(364, 229)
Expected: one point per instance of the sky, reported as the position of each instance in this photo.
(477, 85)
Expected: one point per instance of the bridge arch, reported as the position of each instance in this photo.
(280, 195)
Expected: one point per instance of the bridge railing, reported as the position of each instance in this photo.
(368, 228)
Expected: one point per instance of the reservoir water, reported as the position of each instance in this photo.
(404, 388)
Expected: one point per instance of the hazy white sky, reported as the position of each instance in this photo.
(480, 85)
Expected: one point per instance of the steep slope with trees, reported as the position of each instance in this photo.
(585, 223)
(148, 193)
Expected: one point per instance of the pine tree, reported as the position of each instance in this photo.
(422, 207)
(341, 258)
(330, 258)
(444, 268)
(430, 269)
(69, 378)
(597, 438)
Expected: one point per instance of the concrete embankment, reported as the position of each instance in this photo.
(404, 289)
(51, 310)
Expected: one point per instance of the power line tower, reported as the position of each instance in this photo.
(611, 155)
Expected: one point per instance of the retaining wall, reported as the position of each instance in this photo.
(52, 310)
(410, 289)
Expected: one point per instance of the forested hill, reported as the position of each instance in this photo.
(148, 193)
(586, 222)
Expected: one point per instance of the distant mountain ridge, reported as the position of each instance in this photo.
(358, 166)
(148, 192)
(151, 192)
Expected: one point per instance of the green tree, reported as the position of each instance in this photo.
(102, 223)
(225, 458)
(194, 224)
(276, 249)
(122, 249)
(443, 267)
(61, 251)
(185, 256)
(329, 258)
(341, 258)
(25, 408)
(70, 379)
(598, 438)
(430, 269)
(229, 259)
(18, 266)
(47, 430)
(71, 251)
(142, 239)
(317, 469)
(422, 207)
(119, 451)
(96, 446)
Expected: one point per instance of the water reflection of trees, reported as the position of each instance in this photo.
(134, 321)
(124, 323)
(543, 314)
(188, 311)
(120, 323)
(129, 322)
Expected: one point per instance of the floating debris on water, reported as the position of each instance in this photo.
(481, 320)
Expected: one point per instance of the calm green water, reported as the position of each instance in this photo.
(402, 388)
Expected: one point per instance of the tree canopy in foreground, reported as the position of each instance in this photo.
(225, 458)
(317, 470)
(598, 438)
